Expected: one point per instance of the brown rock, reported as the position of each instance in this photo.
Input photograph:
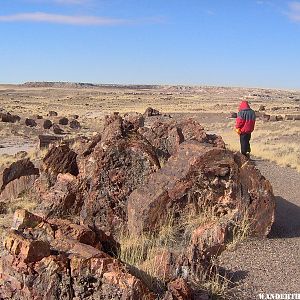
(24, 219)
(60, 159)
(37, 117)
(45, 140)
(292, 117)
(72, 270)
(166, 137)
(168, 188)
(74, 124)
(265, 117)
(3, 207)
(56, 129)
(17, 187)
(52, 113)
(8, 118)
(112, 174)
(133, 121)
(113, 129)
(273, 118)
(179, 290)
(262, 108)
(47, 124)
(26, 249)
(80, 233)
(30, 122)
(63, 121)
(151, 112)
(62, 199)
(17, 170)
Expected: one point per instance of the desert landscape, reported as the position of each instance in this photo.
(140, 192)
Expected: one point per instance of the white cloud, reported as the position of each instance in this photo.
(62, 2)
(63, 19)
(294, 11)
(71, 1)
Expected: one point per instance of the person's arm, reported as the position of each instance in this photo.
(239, 123)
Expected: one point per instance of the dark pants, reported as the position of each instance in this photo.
(245, 143)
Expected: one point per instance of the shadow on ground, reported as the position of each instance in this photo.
(287, 219)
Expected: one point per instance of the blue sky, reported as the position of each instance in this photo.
(231, 43)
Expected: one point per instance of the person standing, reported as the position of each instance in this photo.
(244, 126)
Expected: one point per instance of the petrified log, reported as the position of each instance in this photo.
(292, 117)
(45, 140)
(60, 159)
(72, 269)
(167, 136)
(197, 177)
(18, 177)
(217, 176)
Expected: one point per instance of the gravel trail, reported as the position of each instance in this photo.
(271, 265)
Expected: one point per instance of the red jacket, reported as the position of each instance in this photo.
(245, 120)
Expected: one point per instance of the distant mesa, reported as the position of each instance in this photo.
(57, 84)
(54, 84)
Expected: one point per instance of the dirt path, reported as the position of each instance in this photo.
(271, 265)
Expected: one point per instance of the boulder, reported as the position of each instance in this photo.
(8, 118)
(60, 159)
(74, 124)
(265, 117)
(23, 219)
(62, 199)
(149, 112)
(200, 176)
(47, 124)
(52, 113)
(17, 177)
(30, 122)
(45, 140)
(292, 117)
(37, 117)
(63, 121)
(111, 174)
(178, 289)
(56, 129)
(274, 118)
(167, 136)
(25, 248)
(62, 267)
(228, 183)
(134, 120)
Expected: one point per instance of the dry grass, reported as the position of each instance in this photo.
(25, 201)
(142, 252)
(240, 232)
(215, 282)
(276, 143)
